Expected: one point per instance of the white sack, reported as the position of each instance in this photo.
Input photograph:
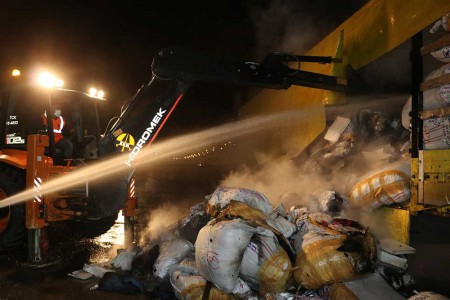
(432, 99)
(436, 133)
(219, 249)
(223, 195)
(442, 54)
(172, 250)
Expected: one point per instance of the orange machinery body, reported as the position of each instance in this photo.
(53, 206)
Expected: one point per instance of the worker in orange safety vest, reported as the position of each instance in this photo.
(61, 142)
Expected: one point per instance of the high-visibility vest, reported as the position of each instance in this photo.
(58, 125)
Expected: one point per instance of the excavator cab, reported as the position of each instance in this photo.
(24, 110)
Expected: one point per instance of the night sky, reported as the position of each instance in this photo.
(111, 44)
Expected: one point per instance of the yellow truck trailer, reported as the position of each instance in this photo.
(378, 29)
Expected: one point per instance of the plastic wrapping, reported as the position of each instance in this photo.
(383, 187)
(333, 257)
(265, 265)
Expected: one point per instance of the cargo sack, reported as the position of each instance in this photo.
(428, 296)
(187, 265)
(279, 225)
(223, 195)
(265, 265)
(432, 99)
(192, 287)
(188, 284)
(256, 218)
(383, 187)
(333, 257)
(219, 249)
(339, 291)
(436, 133)
(442, 54)
(282, 225)
(304, 225)
(443, 23)
(172, 250)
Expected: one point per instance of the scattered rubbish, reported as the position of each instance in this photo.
(392, 260)
(80, 274)
(395, 247)
(335, 130)
(126, 284)
(370, 286)
(399, 279)
(124, 260)
(96, 270)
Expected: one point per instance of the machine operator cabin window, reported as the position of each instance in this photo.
(23, 117)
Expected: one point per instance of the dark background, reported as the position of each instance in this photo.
(111, 44)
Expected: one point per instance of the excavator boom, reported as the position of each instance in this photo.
(174, 69)
(274, 72)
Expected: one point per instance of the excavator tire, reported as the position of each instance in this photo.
(92, 228)
(12, 218)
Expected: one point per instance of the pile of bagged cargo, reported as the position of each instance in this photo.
(235, 245)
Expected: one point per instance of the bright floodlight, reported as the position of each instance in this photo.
(93, 92)
(100, 94)
(59, 83)
(49, 81)
(15, 73)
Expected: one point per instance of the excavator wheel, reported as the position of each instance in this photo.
(12, 218)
